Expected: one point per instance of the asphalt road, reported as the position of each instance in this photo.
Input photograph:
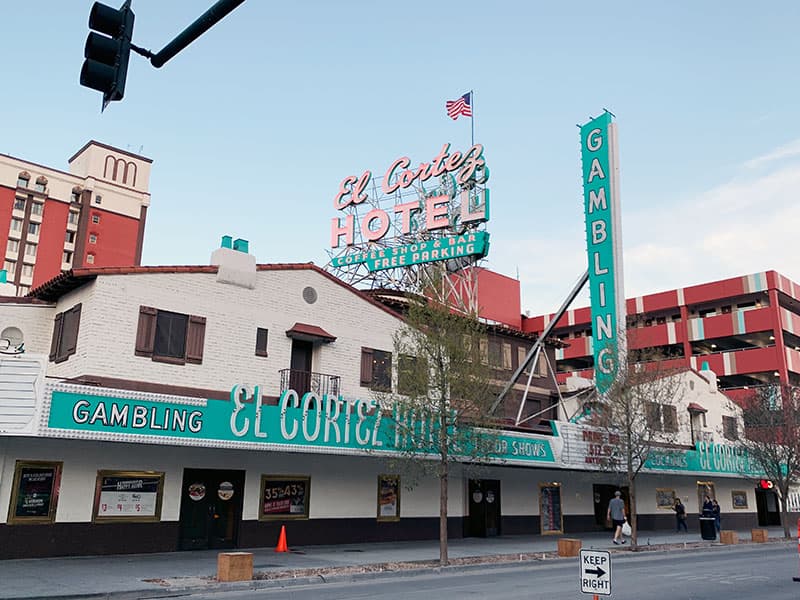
(710, 574)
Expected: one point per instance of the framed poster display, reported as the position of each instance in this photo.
(550, 515)
(284, 497)
(739, 499)
(388, 497)
(665, 498)
(34, 495)
(128, 496)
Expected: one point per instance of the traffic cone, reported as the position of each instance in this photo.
(282, 547)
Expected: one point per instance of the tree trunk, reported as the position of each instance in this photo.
(443, 514)
(633, 517)
(787, 533)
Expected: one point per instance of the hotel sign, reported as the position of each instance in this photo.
(427, 213)
(604, 246)
(302, 423)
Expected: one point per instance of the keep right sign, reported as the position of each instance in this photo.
(595, 572)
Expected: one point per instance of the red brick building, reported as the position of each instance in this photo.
(746, 328)
(92, 215)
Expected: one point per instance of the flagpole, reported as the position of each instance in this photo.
(472, 114)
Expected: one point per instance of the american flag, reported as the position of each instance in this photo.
(462, 106)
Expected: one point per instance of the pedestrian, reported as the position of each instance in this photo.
(716, 512)
(616, 514)
(680, 516)
(708, 506)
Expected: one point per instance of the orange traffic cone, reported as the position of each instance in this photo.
(282, 547)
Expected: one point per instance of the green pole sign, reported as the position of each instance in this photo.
(604, 246)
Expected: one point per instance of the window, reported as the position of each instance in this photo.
(39, 187)
(499, 354)
(27, 270)
(19, 203)
(522, 352)
(542, 365)
(10, 267)
(30, 250)
(95, 218)
(669, 415)
(653, 415)
(90, 259)
(33, 228)
(92, 238)
(37, 208)
(707, 312)
(729, 429)
(74, 216)
(65, 334)
(16, 224)
(661, 320)
(76, 196)
(69, 238)
(676, 317)
(662, 417)
(376, 369)
(12, 246)
(22, 290)
(22, 181)
(169, 336)
(410, 376)
(98, 199)
(66, 257)
(261, 341)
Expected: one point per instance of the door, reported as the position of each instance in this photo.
(602, 494)
(211, 508)
(767, 508)
(484, 518)
(300, 374)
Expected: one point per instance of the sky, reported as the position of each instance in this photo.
(253, 126)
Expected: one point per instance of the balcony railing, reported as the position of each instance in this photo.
(306, 381)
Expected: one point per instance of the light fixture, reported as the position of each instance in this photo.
(772, 338)
(713, 346)
(776, 374)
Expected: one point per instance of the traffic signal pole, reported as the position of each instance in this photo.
(109, 45)
(202, 24)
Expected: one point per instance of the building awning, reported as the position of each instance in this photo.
(309, 333)
(695, 407)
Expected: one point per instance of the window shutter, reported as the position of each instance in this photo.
(56, 336)
(146, 331)
(69, 333)
(366, 366)
(261, 341)
(195, 337)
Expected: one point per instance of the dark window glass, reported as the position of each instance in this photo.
(381, 371)
(170, 338)
(262, 336)
(653, 416)
(670, 414)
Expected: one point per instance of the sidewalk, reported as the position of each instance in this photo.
(154, 575)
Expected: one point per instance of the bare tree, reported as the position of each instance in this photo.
(772, 438)
(638, 414)
(440, 411)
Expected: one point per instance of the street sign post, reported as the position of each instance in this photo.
(595, 574)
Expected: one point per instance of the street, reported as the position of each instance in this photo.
(710, 574)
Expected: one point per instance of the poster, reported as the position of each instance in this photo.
(388, 497)
(133, 496)
(550, 508)
(284, 497)
(35, 494)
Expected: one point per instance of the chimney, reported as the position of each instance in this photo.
(709, 376)
(236, 266)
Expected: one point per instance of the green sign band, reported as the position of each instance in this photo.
(309, 421)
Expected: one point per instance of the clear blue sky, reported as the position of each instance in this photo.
(253, 126)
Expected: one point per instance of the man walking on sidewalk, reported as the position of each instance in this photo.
(616, 514)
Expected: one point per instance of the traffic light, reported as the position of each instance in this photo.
(766, 484)
(106, 64)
